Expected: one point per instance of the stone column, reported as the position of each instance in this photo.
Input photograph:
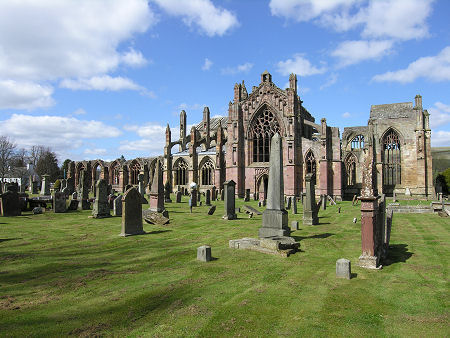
(275, 217)
(45, 189)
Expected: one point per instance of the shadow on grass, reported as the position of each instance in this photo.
(398, 253)
(324, 235)
(7, 239)
(156, 232)
(353, 275)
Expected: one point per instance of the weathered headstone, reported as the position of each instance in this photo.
(37, 211)
(212, 210)
(117, 206)
(167, 189)
(132, 213)
(59, 202)
(250, 210)
(275, 217)
(294, 225)
(193, 197)
(289, 200)
(310, 216)
(343, 268)
(178, 196)
(208, 197)
(45, 187)
(10, 203)
(324, 202)
(73, 205)
(294, 205)
(222, 194)
(34, 187)
(70, 185)
(199, 196)
(153, 217)
(84, 203)
(204, 253)
(230, 211)
(213, 193)
(101, 206)
(157, 190)
(247, 195)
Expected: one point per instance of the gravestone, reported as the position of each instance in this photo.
(45, 187)
(275, 217)
(141, 187)
(199, 196)
(70, 185)
(294, 225)
(153, 217)
(204, 253)
(212, 210)
(167, 189)
(288, 206)
(294, 205)
(10, 203)
(101, 206)
(324, 202)
(247, 195)
(310, 216)
(34, 187)
(84, 203)
(132, 213)
(208, 197)
(59, 202)
(178, 196)
(222, 194)
(157, 190)
(229, 192)
(73, 205)
(343, 268)
(250, 210)
(37, 211)
(193, 197)
(117, 206)
(214, 193)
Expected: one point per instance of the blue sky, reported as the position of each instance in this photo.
(102, 78)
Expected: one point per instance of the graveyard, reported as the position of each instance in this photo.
(71, 274)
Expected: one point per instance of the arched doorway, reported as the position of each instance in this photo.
(261, 185)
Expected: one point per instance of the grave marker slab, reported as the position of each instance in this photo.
(132, 213)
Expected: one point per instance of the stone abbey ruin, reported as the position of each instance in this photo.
(237, 148)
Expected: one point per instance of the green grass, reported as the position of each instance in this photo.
(67, 274)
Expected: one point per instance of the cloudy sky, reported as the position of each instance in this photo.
(102, 78)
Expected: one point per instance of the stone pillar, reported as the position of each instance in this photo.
(229, 191)
(45, 188)
(275, 217)
(310, 216)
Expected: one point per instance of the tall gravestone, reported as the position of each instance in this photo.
(101, 205)
(310, 216)
(229, 199)
(179, 194)
(45, 188)
(167, 193)
(117, 206)
(193, 195)
(208, 197)
(83, 196)
(141, 184)
(34, 187)
(214, 193)
(157, 190)
(59, 202)
(247, 195)
(294, 205)
(132, 213)
(10, 203)
(70, 185)
(275, 217)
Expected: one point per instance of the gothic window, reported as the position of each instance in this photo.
(262, 129)
(135, 168)
(115, 174)
(207, 173)
(350, 169)
(358, 142)
(181, 172)
(391, 159)
(310, 161)
(98, 170)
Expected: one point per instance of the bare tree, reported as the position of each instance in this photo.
(36, 153)
(7, 152)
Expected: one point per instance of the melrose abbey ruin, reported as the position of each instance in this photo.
(237, 148)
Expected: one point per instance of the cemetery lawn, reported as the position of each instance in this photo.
(67, 274)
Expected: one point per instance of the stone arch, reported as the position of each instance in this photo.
(263, 125)
(356, 142)
(262, 183)
(180, 170)
(134, 168)
(79, 167)
(310, 163)
(97, 168)
(350, 169)
(114, 169)
(206, 171)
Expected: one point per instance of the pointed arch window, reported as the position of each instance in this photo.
(391, 158)
(310, 161)
(207, 171)
(115, 174)
(135, 168)
(350, 169)
(358, 142)
(180, 170)
(263, 127)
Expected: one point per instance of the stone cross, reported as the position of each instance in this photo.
(310, 216)
(101, 205)
(45, 188)
(229, 198)
(157, 190)
(275, 217)
(132, 213)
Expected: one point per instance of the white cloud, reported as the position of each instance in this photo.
(243, 68)
(195, 106)
(207, 65)
(300, 66)
(434, 68)
(153, 138)
(351, 52)
(439, 115)
(79, 111)
(393, 19)
(59, 133)
(96, 151)
(332, 79)
(134, 58)
(440, 138)
(346, 115)
(47, 40)
(24, 95)
(210, 19)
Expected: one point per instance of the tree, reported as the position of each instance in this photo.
(35, 153)
(47, 164)
(7, 152)
(65, 168)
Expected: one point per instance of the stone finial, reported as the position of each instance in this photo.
(418, 101)
(266, 77)
(293, 82)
